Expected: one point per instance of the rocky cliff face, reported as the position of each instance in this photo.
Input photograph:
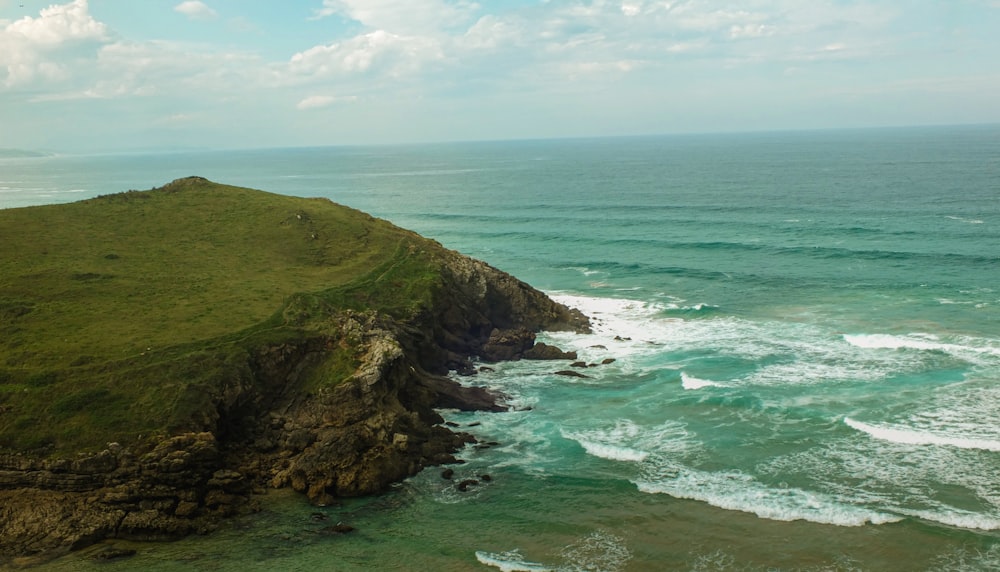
(262, 430)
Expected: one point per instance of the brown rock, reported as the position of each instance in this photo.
(543, 351)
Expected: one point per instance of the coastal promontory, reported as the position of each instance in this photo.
(167, 355)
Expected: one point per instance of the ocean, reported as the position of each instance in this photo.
(805, 335)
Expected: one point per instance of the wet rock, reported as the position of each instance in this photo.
(447, 473)
(339, 528)
(506, 345)
(464, 485)
(543, 351)
(571, 373)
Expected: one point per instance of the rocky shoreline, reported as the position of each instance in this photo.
(356, 438)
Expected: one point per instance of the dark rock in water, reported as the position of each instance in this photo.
(447, 473)
(571, 373)
(318, 517)
(485, 369)
(113, 553)
(451, 424)
(338, 528)
(450, 395)
(543, 351)
(466, 369)
(474, 424)
(464, 485)
(621, 339)
(578, 364)
(485, 478)
(505, 345)
(606, 361)
(599, 347)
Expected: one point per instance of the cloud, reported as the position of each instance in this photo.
(195, 10)
(413, 17)
(47, 48)
(376, 51)
(321, 101)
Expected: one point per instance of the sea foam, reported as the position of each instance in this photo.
(690, 382)
(909, 436)
(733, 490)
(599, 551)
(960, 346)
(510, 561)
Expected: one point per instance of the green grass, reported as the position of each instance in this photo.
(120, 315)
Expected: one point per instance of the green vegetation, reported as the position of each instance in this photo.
(120, 316)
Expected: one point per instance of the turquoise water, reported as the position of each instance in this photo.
(806, 335)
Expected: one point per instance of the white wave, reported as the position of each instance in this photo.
(640, 333)
(909, 436)
(615, 444)
(598, 551)
(630, 442)
(964, 347)
(888, 341)
(612, 452)
(624, 327)
(922, 482)
(510, 561)
(965, 220)
(586, 271)
(690, 382)
(741, 492)
(957, 518)
(950, 302)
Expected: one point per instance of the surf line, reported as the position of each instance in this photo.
(913, 437)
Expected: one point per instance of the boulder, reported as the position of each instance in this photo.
(571, 373)
(543, 351)
(506, 345)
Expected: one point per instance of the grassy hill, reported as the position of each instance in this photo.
(115, 310)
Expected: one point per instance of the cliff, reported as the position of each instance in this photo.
(166, 354)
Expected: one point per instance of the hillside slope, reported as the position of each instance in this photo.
(165, 353)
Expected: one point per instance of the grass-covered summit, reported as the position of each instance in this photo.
(119, 313)
(113, 307)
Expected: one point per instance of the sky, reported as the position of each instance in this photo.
(121, 75)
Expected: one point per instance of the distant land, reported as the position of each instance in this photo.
(6, 153)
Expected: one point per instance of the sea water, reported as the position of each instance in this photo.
(805, 329)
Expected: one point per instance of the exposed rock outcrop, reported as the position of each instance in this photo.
(262, 429)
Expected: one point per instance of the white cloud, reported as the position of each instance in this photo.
(321, 101)
(48, 47)
(630, 9)
(376, 51)
(59, 24)
(413, 17)
(196, 10)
